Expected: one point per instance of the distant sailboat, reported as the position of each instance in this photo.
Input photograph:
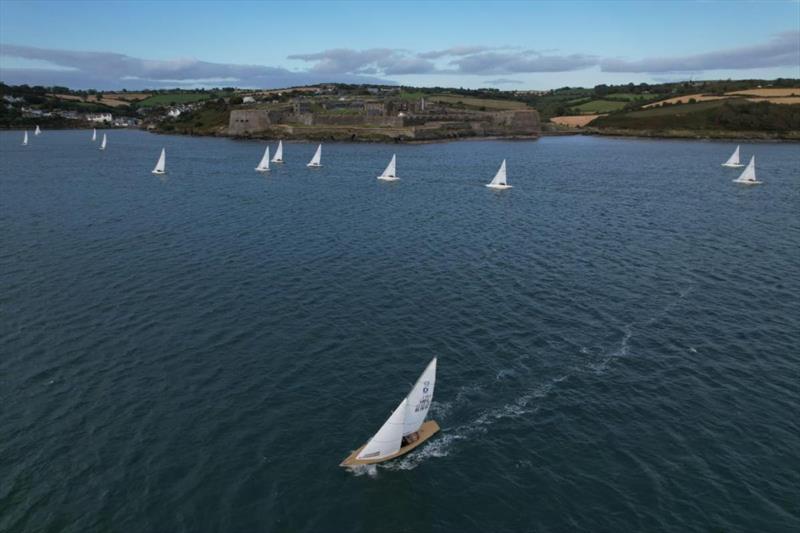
(103, 142)
(25, 139)
(316, 160)
(405, 429)
(263, 166)
(94, 134)
(162, 163)
(499, 181)
(278, 153)
(37, 131)
(748, 175)
(390, 173)
(733, 160)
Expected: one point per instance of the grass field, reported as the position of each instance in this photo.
(599, 106)
(575, 121)
(477, 103)
(678, 109)
(790, 91)
(685, 99)
(177, 98)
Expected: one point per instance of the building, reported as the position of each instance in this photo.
(174, 112)
(248, 100)
(99, 117)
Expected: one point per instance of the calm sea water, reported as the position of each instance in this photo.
(618, 336)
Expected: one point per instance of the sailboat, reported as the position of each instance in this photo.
(25, 139)
(390, 173)
(315, 161)
(405, 429)
(278, 158)
(37, 131)
(499, 181)
(103, 142)
(748, 175)
(162, 163)
(263, 166)
(733, 160)
(94, 134)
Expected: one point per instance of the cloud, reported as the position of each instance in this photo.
(455, 51)
(522, 62)
(502, 81)
(781, 51)
(111, 70)
(387, 61)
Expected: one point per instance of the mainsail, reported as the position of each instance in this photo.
(419, 399)
(37, 131)
(748, 175)
(733, 160)
(278, 153)
(390, 169)
(263, 166)
(162, 163)
(25, 139)
(500, 177)
(388, 439)
(103, 142)
(315, 161)
(94, 134)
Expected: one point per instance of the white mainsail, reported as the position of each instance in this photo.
(162, 163)
(419, 399)
(37, 131)
(103, 142)
(94, 134)
(499, 180)
(390, 173)
(25, 139)
(315, 161)
(733, 160)
(278, 153)
(388, 439)
(748, 175)
(263, 166)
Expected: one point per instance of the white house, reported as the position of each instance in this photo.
(174, 112)
(248, 100)
(98, 117)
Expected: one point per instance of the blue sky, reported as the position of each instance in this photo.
(510, 45)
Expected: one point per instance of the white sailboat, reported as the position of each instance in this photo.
(499, 181)
(316, 160)
(25, 139)
(103, 142)
(94, 134)
(405, 429)
(748, 175)
(733, 160)
(37, 131)
(162, 163)
(390, 173)
(263, 166)
(278, 158)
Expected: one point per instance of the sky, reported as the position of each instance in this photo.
(506, 45)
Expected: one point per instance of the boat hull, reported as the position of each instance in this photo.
(159, 172)
(313, 166)
(262, 170)
(426, 431)
(498, 187)
(748, 182)
(388, 178)
(732, 165)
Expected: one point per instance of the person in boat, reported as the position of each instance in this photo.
(411, 438)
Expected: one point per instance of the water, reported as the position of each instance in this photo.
(617, 336)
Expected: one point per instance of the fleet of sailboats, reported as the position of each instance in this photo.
(390, 173)
(263, 165)
(316, 161)
(161, 164)
(405, 429)
(499, 181)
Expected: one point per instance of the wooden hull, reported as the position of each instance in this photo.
(426, 431)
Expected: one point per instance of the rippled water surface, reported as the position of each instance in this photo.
(618, 336)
